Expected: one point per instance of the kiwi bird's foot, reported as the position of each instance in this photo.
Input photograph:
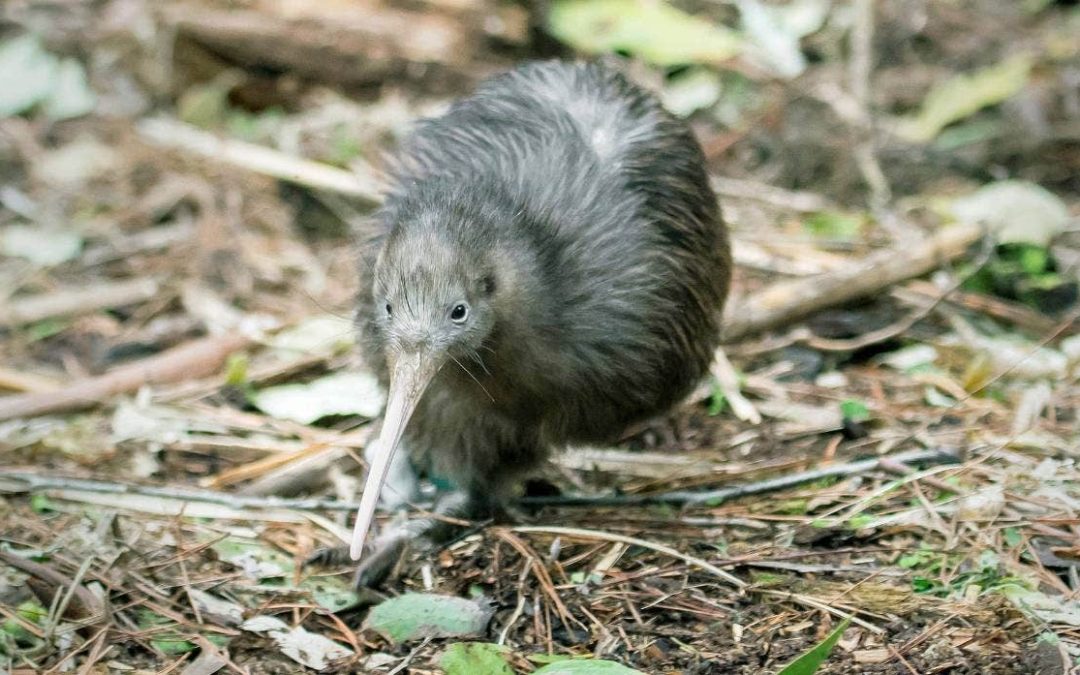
(384, 557)
(329, 556)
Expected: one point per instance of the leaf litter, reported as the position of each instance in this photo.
(967, 567)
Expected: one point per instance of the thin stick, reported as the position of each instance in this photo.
(785, 302)
(175, 135)
(693, 561)
(681, 497)
(192, 360)
(29, 481)
(76, 301)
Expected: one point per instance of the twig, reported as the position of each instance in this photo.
(903, 325)
(680, 497)
(18, 381)
(805, 202)
(30, 481)
(861, 66)
(694, 561)
(195, 359)
(1004, 310)
(784, 302)
(76, 301)
(175, 135)
(728, 381)
(93, 611)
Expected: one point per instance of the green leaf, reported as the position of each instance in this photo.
(963, 95)
(71, 95)
(544, 659)
(475, 658)
(27, 74)
(256, 560)
(585, 667)
(717, 400)
(332, 593)
(40, 503)
(808, 663)
(853, 410)
(655, 31)
(835, 225)
(36, 332)
(206, 104)
(172, 645)
(236, 370)
(1015, 211)
(1012, 537)
(860, 521)
(415, 616)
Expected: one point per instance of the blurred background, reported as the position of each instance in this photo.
(181, 175)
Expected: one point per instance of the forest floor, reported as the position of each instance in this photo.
(174, 329)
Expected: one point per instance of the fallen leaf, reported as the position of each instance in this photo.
(909, 358)
(71, 95)
(655, 31)
(963, 95)
(306, 648)
(585, 667)
(337, 394)
(1015, 212)
(256, 560)
(27, 73)
(691, 91)
(475, 658)
(217, 609)
(1041, 606)
(773, 32)
(415, 616)
(323, 334)
(45, 246)
(808, 663)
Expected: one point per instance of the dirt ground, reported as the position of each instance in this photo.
(166, 290)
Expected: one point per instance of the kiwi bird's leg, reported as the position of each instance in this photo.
(421, 534)
(401, 488)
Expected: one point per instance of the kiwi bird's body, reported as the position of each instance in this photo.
(553, 239)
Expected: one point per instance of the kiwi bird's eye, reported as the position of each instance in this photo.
(389, 310)
(459, 313)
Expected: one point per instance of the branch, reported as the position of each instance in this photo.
(685, 497)
(16, 481)
(193, 360)
(785, 302)
(174, 135)
(73, 301)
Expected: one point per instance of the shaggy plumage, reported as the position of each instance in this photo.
(571, 216)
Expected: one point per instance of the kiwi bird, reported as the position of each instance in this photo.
(548, 268)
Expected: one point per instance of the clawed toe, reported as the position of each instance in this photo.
(377, 564)
(329, 556)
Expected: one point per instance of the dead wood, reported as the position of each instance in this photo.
(353, 45)
(76, 301)
(166, 133)
(777, 305)
(785, 302)
(682, 497)
(195, 359)
(83, 606)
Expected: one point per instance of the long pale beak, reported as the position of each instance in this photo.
(410, 374)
